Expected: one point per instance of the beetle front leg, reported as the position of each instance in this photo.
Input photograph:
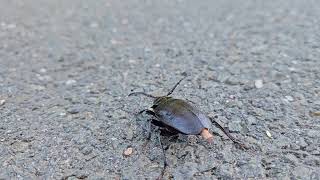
(149, 130)
(148, 111)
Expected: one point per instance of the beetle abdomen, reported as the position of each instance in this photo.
(182, 116)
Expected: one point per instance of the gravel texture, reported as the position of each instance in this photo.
(66, 68)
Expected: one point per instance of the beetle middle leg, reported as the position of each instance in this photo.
(162, 128)
(165, 164)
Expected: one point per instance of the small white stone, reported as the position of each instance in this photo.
(114, 42)
(43, 70)
(258, 83)
(124, 21)
(157, 65)
(114, 30)
(132, 61)
(268, 134)
(289, 98)
(94, 25)
(70, 82)
(147, 50)
(128, 151)
(38, 87)
(292, 69)
(11, 26)
(2, 101)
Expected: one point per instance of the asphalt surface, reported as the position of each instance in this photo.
(66, 68)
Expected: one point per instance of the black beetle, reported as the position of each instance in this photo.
(174, 116)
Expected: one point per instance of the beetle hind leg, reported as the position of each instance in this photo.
(226, 132)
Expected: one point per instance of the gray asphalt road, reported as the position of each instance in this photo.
(66, 68)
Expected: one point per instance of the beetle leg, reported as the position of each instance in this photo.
(226, 132)
(148, 111)
(149, 134)
(165, 130)
(156, 123)
(149, 130)
(165, 164)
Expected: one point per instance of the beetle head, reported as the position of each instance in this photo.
(161, 99)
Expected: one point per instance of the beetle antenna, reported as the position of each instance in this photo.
(142, 93)
(174, 87)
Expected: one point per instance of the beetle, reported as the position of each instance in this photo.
(173, 116)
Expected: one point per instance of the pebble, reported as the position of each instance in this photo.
(74, 109)
(268, 134)
(43, 70)
(63, 114)
(11, 26)
(124, 21)
(70, 82)
(44, 78)
(252, 120)
(317, 113)
(132, 61)
(114, 42)
(8, 26)
(37, 87)
(2, 102)
(258, 83)
(128, 151)
(94, 25)
(86, 150)
(289, 98)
